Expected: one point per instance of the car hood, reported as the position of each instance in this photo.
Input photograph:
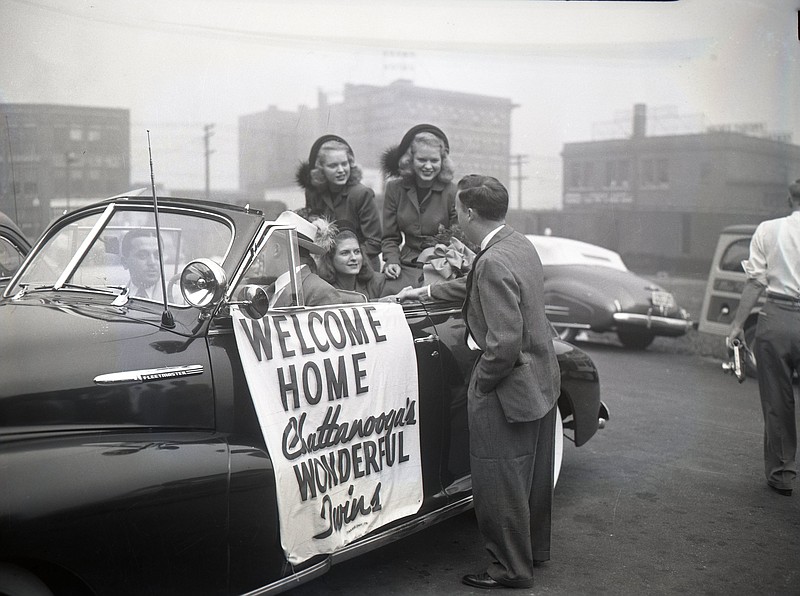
(51, 352)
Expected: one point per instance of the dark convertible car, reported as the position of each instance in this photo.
(589, 288)
(204, 440)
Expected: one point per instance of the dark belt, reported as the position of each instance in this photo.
(783, 299)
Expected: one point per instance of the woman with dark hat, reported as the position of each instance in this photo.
(332, 183)
(345, 266)
(419, 198)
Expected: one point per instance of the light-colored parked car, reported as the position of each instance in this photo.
(588, 287)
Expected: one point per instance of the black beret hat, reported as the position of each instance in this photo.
(390, 160)
(303, 174)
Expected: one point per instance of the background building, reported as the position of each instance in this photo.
(56, 157)
(662, 200)
(372, 118)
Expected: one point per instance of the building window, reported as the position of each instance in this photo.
(75, 134)
(581, 174)
(617, 173)
(94, 135)
(655, 173)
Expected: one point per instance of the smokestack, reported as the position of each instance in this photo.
(639, 121)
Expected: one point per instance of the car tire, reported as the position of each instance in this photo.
(567, 333)
(635, 340)
(16, 581)
(558, 448)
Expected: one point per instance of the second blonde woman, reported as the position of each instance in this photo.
(332, 183)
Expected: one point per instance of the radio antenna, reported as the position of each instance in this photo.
(166, 317)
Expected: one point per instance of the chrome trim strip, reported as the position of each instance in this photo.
(149, 374)
(650, 320)
(294, 580)
(559, 325)
(372, 542)
(433, 312)
(363, 545)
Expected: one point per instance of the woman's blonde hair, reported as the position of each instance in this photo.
(318, 180)
(405, 165)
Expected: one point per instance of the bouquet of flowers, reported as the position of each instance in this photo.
(448, 257)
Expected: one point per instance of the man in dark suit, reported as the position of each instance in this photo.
(513, 390)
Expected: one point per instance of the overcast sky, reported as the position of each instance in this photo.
(572, 67)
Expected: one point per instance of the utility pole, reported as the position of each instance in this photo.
(70, 159)
(208, 128)
(518, 160)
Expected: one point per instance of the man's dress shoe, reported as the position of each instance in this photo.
(481, 580)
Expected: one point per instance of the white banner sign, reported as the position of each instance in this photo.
(335, 390)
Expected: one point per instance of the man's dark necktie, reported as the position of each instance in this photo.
(465, 306)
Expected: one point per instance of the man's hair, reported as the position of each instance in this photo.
(127, 240)
(485, 194)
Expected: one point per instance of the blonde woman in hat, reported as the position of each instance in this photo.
(332, 183)
(345, 266)
(418, 199)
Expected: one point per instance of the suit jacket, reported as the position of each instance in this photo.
(504, 312)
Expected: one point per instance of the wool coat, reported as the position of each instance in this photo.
(356, 204)
(413, 221)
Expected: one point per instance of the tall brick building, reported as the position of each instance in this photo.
(54, 156)
(372, 118)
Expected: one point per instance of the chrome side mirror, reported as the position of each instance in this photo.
(203, 283)
(253, 301)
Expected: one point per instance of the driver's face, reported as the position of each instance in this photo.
(142, 261)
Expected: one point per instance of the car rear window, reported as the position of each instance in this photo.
(733, 256)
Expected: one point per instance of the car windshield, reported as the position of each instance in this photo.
(121, 252)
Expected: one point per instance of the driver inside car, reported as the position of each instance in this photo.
(139, 255)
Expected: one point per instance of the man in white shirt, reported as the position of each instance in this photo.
(774, 265)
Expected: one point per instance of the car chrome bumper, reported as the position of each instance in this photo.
(656, 324)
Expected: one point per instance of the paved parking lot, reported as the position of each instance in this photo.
(669, 499)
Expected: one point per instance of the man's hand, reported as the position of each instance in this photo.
(409, 294)
(736, 332)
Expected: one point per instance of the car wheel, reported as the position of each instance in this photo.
(16, 581)
(567, 333)
(750, 368)
(558, 448)
(635, 340)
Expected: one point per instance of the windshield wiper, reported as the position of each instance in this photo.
(107, 289)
